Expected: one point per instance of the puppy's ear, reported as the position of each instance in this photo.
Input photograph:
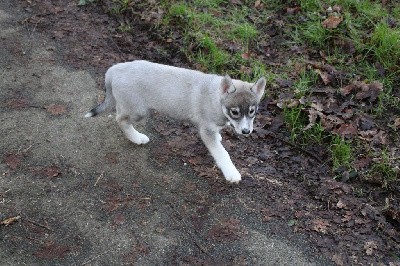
(259, 87)
(227, 85)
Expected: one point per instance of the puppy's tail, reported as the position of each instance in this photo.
(109, 101)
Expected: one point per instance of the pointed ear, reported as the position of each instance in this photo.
(227, 85)
(259, 87)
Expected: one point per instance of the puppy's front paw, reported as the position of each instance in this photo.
(142, 139)
(233, 176)
(138, 138)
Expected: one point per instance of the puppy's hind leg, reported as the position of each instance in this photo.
(125, 123)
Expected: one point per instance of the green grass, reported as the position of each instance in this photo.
(384, 170)
(210, 30)
(341, 152)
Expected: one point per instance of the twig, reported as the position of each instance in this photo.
(295, 146)
(98, 178)
(40, 225)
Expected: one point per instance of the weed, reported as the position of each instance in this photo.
(384, 170)
(385, 44)
(304, 83)
(121, 6)
(341, 152)
(295, 120)
(85, 2)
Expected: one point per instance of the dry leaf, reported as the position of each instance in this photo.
(397, 122)
(348, 89)
(10, 220)
(320, 225)
(370, 246)
(326, 78)
(56, 109)
(332, 22)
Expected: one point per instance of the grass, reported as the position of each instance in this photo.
(341, 152)
(382, 169)
(210, 31)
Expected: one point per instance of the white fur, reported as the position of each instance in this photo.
(139, 86)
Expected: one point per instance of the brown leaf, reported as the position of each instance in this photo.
(51, 171)
(18, 103)
(8, 221)
(293, 10)
(362, 163)
(119, 219)
(369, 247)
(112, 157)
(341, 204)
(326, 78)
(346, 130)
(370, 91)
(226, 231)
(12, 160)
(332, 22)
(56, 109)
(348, 89)
(320, 225)
(338, 259)
(245, 56)
(52, 251)
(397, 122)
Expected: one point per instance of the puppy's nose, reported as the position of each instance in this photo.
(245, 131)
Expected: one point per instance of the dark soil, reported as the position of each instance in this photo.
(288, 190)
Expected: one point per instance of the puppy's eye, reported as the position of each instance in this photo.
(252, 111)
(235, 112)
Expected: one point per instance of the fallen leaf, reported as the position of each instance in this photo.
(8, 221)
(369, 247)
(284, 83)
(52, 251)
(326, 78)
(320, 225)
(293, 10)
(245, 56)
(112, 157)
(346, 130)
(332, 22)
(51, 171)
(226, 231)
(18, 103)
(362, 163)
(341, 204)
(397, 123)
(347, 89)
(370, 91)
(12, 160)
(56, 109)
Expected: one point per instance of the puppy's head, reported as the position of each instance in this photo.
(240, 101)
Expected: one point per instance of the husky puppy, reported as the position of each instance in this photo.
(209, 101)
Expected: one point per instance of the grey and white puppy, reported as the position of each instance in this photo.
(209, 101)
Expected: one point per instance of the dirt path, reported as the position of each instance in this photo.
(86, 196)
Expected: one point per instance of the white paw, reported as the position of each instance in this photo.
(219, 137)
(232, 175)
(139, 139)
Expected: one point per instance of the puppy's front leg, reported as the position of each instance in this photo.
(212, 140)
